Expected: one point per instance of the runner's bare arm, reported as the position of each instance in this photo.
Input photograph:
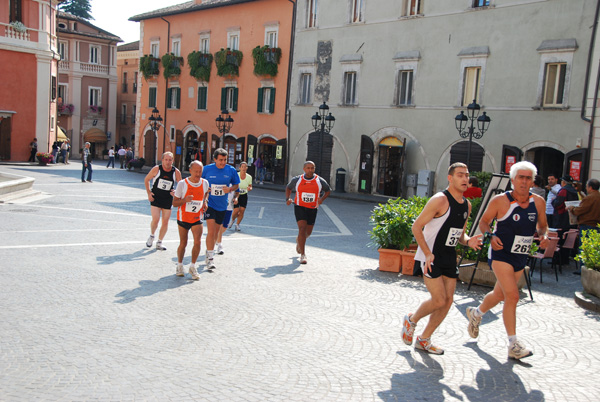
(488, 217)
(147, 179)
(475, 241)
(432, 209)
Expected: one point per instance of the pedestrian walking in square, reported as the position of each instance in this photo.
(111, 157)
(86, 163)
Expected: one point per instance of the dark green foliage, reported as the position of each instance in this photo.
(80, 8)
(266, 60)
(228, 62)
(171, 65)
(200, 65)
(590, 249)
(149, 66)
(392, 222)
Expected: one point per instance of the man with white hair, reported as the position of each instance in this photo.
(518, 213)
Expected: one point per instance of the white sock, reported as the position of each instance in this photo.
(210, 254)
(512, 339)
(192, 265)
(179, 264)
(478, 313)
(217, 244)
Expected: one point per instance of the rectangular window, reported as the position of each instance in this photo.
(305, 89)
(205, 45)
(154, 49)
(271, 39)
(311, 13)
(357, 12)
(94, 55)
(174, 98)
(135, 79)
(412, 7)
(152, 97)
(481, 3)
(404, 90)
(95, 97)
(350, 88)
(16, 10)
(53, 89)
(471, 85)
(124, 83)
(133, 112)
(202, 92)
(123, 113)
(62, 93)
(62, 50)
(266, 100)
(229, 99)
(234, 42)
(176, 47)
(554, 87)
(172, 134)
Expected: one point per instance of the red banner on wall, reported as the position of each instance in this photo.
(510, 160)
(575, 170)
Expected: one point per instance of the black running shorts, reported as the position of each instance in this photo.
(305, 214)
(215, 215)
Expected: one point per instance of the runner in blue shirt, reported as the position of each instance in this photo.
(219, 175)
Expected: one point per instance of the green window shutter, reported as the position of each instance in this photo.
(178, 94)
(169, 97)
(223, 99)
(202, 98)
(272, 103)
(152, 97)
(259, 108)
(235, 99)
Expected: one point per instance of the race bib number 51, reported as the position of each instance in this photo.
(217, 190)
(522, 245)
(308, 197)
(453, 236)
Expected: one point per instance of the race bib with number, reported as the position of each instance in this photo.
(453, 236)
(164, 184)
(243, 191)
(522, 245)
(309, 197)
(193, 206)
(217, 190)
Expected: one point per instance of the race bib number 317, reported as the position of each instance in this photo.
(453, 236)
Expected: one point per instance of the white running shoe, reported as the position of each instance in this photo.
(159, 246)
(210, 264)
(220, 250)
(237, 228)
(193, 272)
(150, 241)
(518, 351)
(303, 259)
(179, 271)
(474, 322)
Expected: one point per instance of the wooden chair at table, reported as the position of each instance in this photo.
(569, 239)
(549, 253)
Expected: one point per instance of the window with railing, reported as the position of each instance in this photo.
(480, 3)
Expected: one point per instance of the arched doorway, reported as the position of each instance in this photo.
(229, 143)
(190, 148)
(460, 150)
(150, 148)
(390, 167)
(547, 160)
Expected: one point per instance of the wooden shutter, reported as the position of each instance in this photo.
(235, 99)
(259, 105)
(272, 103)
(169, 97)
(365, 175)
(178, 99)
(202, 98)
(223, 98)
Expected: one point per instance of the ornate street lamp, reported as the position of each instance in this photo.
(322, 122)
(155, 122)
(461, 121)
(224, 124)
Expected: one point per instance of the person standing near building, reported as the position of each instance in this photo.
(128, 156)
(86, 163)
(588, 211)
(33, 147)
(111, 157)
(122, 153)
(473, 191)
(311, 190)
(190, 197)
(518, 214)
(240, 203)
(54, 151)
(160, 194)
(538, 186)
(553, 188)
(64, 149)
(259, 163)
(220, 176)
(567, 192)
(437, 230)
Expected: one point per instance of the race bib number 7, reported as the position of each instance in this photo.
(193, 207)
(309, 197)
(217, 190)
(453, 237)
(522, 245)
(164, 184)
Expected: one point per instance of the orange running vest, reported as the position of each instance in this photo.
(307, 192)
(191, 212)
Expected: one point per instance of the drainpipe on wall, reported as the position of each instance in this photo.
(288, 112)
(167, 85)
(587, 80)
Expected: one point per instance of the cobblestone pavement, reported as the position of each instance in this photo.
(89, 313)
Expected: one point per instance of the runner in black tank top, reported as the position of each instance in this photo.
(438, 229)
(164, 182)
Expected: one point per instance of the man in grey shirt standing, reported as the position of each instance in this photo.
(553, 188)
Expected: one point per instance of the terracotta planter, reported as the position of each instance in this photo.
(408, 262)
(590, 280)
(389, 260)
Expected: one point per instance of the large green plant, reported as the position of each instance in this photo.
(590, 249)
(392, 222)
(266, 60)
(171, 65)
(149, 66)
(200, 65)
(228, 62)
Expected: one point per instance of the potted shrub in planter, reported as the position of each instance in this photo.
(590, 262)
(44, 158)
(392, 231)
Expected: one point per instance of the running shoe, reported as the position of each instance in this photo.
(427, 346)
(408, 329)
(474, 322)
(303, 259)
(193, 272)
(220, 250)
(150, 241)
(179, 271)
(237, 228)
(518, 351)
(210, 263)
(159, 246)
